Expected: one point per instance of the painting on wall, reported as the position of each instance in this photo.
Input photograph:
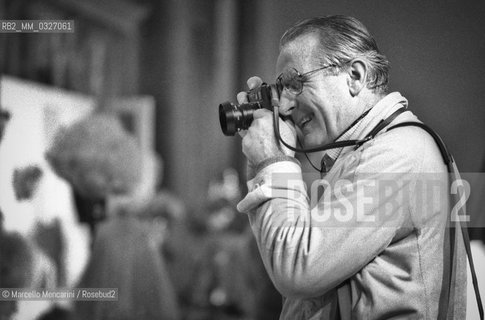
(36, 113)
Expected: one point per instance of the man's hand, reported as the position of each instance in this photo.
(259, 142)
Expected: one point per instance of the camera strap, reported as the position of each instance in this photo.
(450, 269)
(456, 223)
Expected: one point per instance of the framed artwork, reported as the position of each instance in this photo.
(36, 113)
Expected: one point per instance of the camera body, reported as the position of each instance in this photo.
(234, 118)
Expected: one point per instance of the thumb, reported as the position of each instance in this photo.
(254, 82)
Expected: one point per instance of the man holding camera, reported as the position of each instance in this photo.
(350, 253)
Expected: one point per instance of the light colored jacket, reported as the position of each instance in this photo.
(375, 241)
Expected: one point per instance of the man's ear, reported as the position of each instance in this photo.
(357, 76)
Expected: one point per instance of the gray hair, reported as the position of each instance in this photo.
(342, 39)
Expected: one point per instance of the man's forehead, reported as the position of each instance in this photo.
(299, 52)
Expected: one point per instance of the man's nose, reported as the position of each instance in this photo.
(287, 103)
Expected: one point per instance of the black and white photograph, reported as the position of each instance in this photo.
(242, 160)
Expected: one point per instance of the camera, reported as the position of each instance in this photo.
(234, 118)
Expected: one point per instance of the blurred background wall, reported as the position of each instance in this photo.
(435, 49)
(192, 55)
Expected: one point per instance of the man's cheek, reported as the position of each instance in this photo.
(315, 138)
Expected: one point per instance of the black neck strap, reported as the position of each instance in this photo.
(384, 123)
(448, 159)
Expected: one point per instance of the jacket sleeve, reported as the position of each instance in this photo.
(308, 250)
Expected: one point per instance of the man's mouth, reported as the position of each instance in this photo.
(304, 121)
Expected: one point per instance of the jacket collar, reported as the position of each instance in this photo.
(382, 109)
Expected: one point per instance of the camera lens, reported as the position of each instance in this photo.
(234, 118)
(227, 117)
(239, 117)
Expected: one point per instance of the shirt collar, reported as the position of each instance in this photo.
(384, 108)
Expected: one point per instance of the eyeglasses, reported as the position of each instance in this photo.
(293, 81)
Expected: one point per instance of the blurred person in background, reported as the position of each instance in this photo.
(126, 256)
(229, 281)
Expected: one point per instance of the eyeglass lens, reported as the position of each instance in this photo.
(291, 80)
